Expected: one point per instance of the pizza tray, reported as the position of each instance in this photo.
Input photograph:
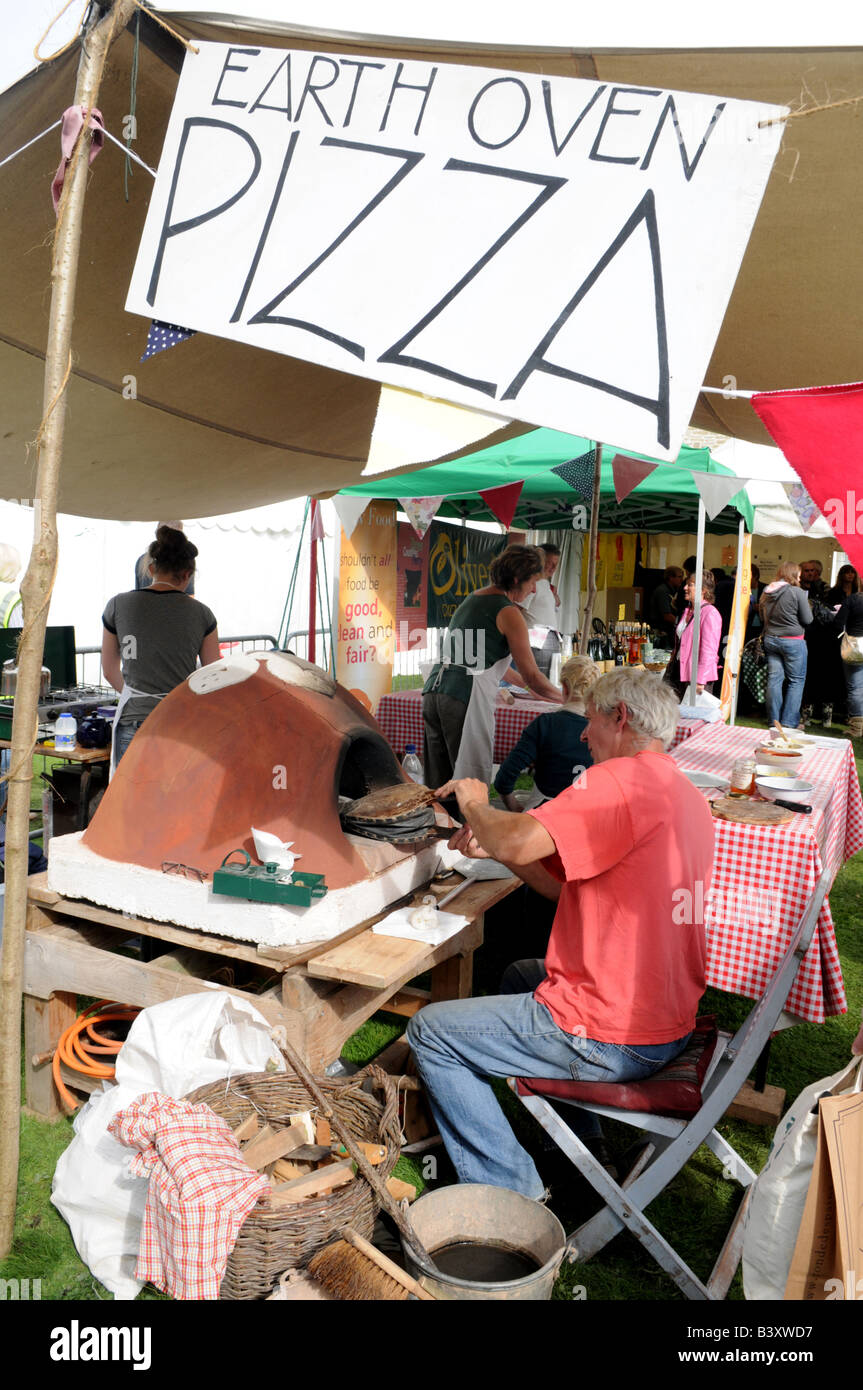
(745, 811)
(389, 803)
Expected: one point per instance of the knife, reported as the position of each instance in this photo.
(792, 806)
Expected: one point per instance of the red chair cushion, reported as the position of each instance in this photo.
(674, 1091)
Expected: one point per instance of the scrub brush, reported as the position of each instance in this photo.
(354, 1270)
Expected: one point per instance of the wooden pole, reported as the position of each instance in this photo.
(591, 558)
(36, 596)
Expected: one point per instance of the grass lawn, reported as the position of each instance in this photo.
(693, 1213)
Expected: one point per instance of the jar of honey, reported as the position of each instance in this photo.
(743, 777)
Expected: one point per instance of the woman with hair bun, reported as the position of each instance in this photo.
(154, 637)
(486, 634)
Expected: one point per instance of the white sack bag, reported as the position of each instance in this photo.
(173, 1048)
(775, 1209)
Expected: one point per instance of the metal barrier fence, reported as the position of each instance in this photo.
(406, 664)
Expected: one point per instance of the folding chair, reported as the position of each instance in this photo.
(678, 1108)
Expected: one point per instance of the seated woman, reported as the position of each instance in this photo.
(553, 742)
(154, 637)
(486, 633)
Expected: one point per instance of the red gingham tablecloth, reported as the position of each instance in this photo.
(400, 716)
(764, 876)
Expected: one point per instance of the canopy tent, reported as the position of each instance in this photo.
(767, 471)
(213, 425)
(665, 501)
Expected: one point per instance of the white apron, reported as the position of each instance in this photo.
(476, 750)
(126, 694)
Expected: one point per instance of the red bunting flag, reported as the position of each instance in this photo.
(820, 432)
(628, 473)
(502, 501)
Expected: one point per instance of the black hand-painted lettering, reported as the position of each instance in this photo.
(688, 169)
(232, 67)
(409, 87)
(311, 88)
(549, 114)
(612, 110)
(265, 232)
(170, 229)
(393, 354)
(499, 144)
(260, 105)
(410, 158)
(659, 407)
(360, 64)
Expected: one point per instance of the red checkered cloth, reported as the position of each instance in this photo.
(764, 876)
(400, 716)
(201, 1191)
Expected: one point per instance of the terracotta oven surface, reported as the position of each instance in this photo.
(252, 740)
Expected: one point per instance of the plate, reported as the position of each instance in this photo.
(706, 780)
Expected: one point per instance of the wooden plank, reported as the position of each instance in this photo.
(398, 1190)
(247, 1128)
(142, 926)
(758, 1107)
(270, 1145)
(378, 962)
(313, 1184)
(342, 1014)
(72, 966)
(44, 1020)
(408, 1001)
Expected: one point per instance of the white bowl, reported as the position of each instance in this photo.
(789, 788)
(787, 762)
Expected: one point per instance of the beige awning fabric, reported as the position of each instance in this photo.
(212, 426)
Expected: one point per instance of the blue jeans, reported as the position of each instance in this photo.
(854, 689)
(786, 675)
(459, 1044)
(126, 731)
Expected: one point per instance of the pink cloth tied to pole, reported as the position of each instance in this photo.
(73, 124)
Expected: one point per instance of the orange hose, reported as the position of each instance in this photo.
(77, 1054)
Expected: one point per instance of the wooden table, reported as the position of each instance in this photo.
(87, 757)
(323, 991)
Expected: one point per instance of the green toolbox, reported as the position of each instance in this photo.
(267, 883)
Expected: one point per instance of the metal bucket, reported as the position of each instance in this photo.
(491, 1215)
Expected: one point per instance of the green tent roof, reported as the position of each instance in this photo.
(666, 501)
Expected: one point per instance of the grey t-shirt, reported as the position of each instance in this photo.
(160, 632)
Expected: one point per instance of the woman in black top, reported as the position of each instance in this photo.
(854, 669)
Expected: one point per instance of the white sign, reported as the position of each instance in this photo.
(554, 250)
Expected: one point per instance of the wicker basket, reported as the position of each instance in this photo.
(279, 1238)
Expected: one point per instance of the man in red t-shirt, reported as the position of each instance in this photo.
(623, 851)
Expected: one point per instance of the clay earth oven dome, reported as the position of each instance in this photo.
(256, 739)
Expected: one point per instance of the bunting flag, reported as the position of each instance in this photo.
(420, 511)
(349, 510)
(73, 124)
(577, 473)
(716, 490)
(163, 336)
(804, 507)
(820, 432)
(628, 473)
(502, 501)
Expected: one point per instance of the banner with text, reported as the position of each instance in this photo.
(367, 605)
(412, 607)
(458, 564)
(540, 247)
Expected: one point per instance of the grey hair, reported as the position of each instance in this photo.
(10, 563)
(652, 704)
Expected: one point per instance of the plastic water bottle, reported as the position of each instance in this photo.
(65, 734)
(412, 765)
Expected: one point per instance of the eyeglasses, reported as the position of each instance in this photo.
(184, 870)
